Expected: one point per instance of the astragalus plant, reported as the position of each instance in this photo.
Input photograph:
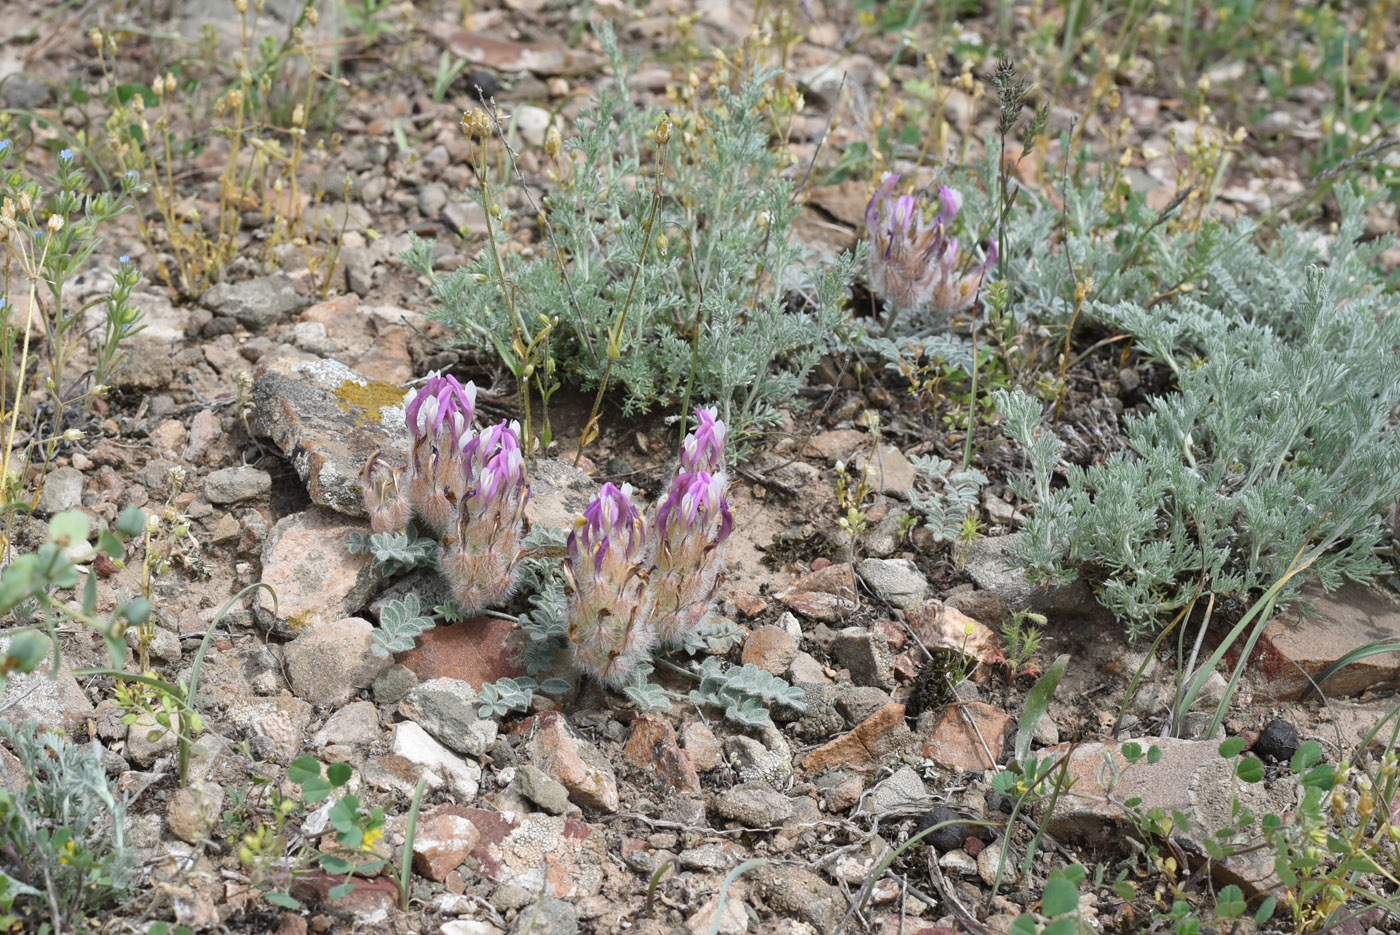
(633, 581)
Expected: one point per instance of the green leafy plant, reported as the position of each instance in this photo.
(1277, 444)
(400, 623)
(63, 835)
(673, 290)
(273, 856)
(49, 227)
(264, 120)
(395, 551)
(1023, 635)
(171, 705)
(745, 693)
(954, 500)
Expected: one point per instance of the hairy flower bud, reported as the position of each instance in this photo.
(609, 623)
(688, 538)
(438, 415)
(912, 260)
(482, 548)
(387, 502)
(703, 449)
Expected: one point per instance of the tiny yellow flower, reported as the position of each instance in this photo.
(371, 839)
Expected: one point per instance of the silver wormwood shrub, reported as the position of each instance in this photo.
(729, 299)
(1280, 440)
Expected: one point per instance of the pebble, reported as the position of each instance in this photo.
(446, 708)
(441, 765)
(63, 490)
(230, 485)
(1278, 741)
(754, 805)
(897, 581)
(329, 662)
(947, 838)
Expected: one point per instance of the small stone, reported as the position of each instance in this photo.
(835, 445)
(953, 740)
(991, 868)
(959, 863)
(1046, 732)
(890, 472)
(307, 562)
(432, 198)
(881, 734)
(147, 741)
(193, 811)
(446, 708)
(393, 684)
(328, 663)
(1191, 777)
(719, 917)
(231, 485)
(652, 751)
(747, 605)
(705, 857)
(1340, 621)
(559, 492)
(827, 594)
(866, 655)
(275, 727)
(550, 916)
(1278, 741)
(770, 648)
(902, 791)
(169, 436)
(532, 122)
(443, 840)
(806, 670)
(63, 490)
(767, 757)
(754, 805)
(702, 746)
(255, 303)
(327, 420)
(942, 627)
(413, 744)
(843, 796)
(581, 767)
(539, 787)
(357, 723)
(897, 581)
(798, 892)
(857, 703)
(368, 904)
(226, 529)
(161, 643)
(948, 837)
(988, 561)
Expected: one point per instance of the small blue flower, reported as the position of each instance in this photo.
(5, 147)
(123, 260)
(4, 302)
(65, 154)
(133, 176)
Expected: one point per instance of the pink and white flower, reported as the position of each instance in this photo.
(609, 609)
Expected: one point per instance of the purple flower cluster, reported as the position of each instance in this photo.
(913, 259)
(482, 549)
(636, 582)
(633, 580)
(468, 485)
(609, 614)
(437, 416)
